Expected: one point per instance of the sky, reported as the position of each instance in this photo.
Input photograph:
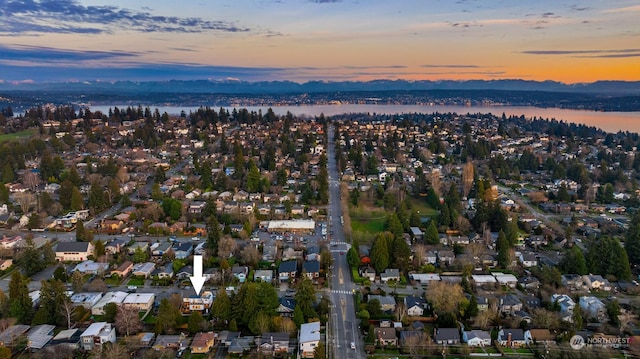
(327, 40)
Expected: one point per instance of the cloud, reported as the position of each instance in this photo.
(325, 1)
(40, 54)
(575, 7)
(598, 53)
(69, 16)
(627, 9)
(456, 66)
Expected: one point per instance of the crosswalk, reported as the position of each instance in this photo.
(338, 291)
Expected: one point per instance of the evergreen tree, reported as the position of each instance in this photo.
(431, 235)
(632, 240)
(394, 226)
(298, 317)
(380, 251)
(195, 323)
(213, 237)
(20, 305)
(306, 298)
(502, 245)
(400, 254)
(221, 307)
(574, 261)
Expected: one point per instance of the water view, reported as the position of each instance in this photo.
(608, 121)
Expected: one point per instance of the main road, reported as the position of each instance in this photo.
(343, 339)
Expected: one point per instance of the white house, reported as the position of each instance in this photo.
(309, 339)
(477, 338)
(593, 307)
(97, 334)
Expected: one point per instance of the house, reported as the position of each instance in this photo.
(164, 272)
(509, 303)
(369, 273)
(179, 342)
(425, 278)
(143, 302)
(386, 336)
(184, 272)
(539, 336)
(201, 303)
(414, 305)
(10, 336)
(390, 274)
(144, 246)
(274, 343)
(39, 336)
(447, 336)
(446, 257)
(160, 248)
(387, 302)
(508, 280)
(596, 282)
(73, 251)
(5, 263)
(416, 233)
(477, 338)
(203, 342)
(112, 225)
(110, 297)
(511, 338)
(97, 334)
(123, 269)
(566, 304)
(287, 270)
(240, 273)
(309, 337)
(528, 260)
(182, 250)
(286, 307)
(311, 269)
(593, 307)
(69, 338)
(91, 267)
(114, 246)
(143, 269)
(264, 275)
(86, 300)
(431, 257)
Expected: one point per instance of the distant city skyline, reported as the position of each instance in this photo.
(330, 40)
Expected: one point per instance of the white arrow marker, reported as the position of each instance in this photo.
(197, 280)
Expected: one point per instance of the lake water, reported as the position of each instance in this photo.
(607, 121)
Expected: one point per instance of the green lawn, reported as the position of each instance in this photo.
(17, 135)
(136, 281)
(423, 207)
(367, 220)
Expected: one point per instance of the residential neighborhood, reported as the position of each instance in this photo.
(465, 235)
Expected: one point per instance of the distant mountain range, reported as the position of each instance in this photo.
(602, 88)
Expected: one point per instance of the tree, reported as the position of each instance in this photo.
(394, 226)
(128, 321)
(4, 305)
(98, 248)
(632, 241)
(250, 256)
(380, 251)
(298, 317)
(196, 322)
(20, 305)
(306, 297)
(502, 245)
(140, 255)
(613, 311)
(606, 256)
(52, 297)
(67, 311)
(213, 237)
(374, 308)
(168, 316)
(48, 254)
(110, 312)
(81, 234)
(226, 247)
(401, 254)
(5, 352)
(77, 201)
(467, 178)
(431, 233)
(221, 307)
(77, 281)
(445, 297)
(574, 262)
(31, 258)
(320, 352)
(352, 258)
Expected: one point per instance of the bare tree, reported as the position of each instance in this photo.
(122, 176)
(419, 252)
(467, 178)
(110, 351)
(226, 247)
(250, 255)
(67, 309)
(31, 180)
(127, 320)
(25, 200)
(477, 250)
(97, 285)
(485, 319)
(445, 297)
(401, 311)
(436, 182)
